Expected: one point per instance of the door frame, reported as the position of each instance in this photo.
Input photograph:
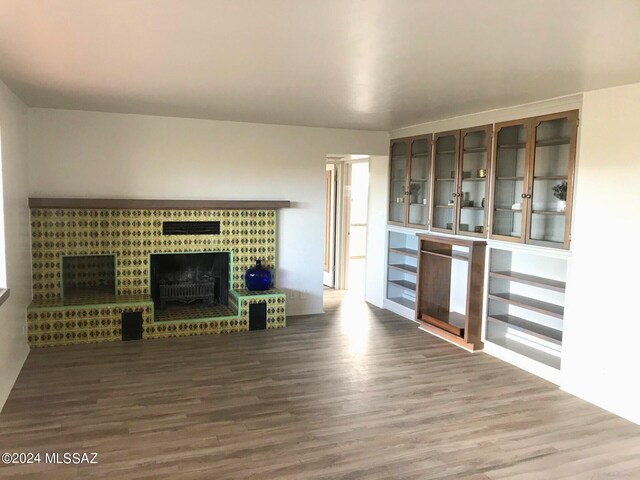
(331, 183)
(342, 219)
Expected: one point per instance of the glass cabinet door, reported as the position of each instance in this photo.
(444, 181)
(473, 181)
(419, 168)
(509, 186)
(551, 174)
(397, 190)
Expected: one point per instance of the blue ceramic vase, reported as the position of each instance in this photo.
(258, 278)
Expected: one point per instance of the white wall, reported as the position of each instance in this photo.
(376, 230)
(13, 313)
(602, 320)
(90, 154)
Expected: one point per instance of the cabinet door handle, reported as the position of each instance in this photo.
(524, 195)
(528, 195)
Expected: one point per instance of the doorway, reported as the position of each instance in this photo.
(346, 210)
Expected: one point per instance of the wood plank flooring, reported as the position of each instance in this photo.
(357, 393)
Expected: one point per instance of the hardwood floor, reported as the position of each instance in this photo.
(355, 393)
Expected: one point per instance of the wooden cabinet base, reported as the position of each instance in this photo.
(439, 281)
(444, 335)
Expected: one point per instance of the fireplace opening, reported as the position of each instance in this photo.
(190, 285)
(88, 277)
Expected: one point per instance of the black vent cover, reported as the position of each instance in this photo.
(190, 228)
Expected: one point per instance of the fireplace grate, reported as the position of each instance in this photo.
(191, 228)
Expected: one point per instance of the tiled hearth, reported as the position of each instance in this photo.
(106, 254)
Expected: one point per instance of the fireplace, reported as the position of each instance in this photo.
(96, 268)
(183, 280)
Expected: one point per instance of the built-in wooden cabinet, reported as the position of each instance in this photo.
(410, 163)
(459, 176)
(444, 173)
(532, 179)
(450, 288)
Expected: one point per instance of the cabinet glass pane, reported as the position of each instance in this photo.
(474, 180)
(509, 186)
(445, 171)
(550, 175)
(398, 179)
(419, 184)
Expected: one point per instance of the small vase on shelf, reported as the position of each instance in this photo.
(258, 278)
(562, 205)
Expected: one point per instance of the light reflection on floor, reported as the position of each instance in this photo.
(354, 317)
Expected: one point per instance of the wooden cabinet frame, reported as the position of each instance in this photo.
(409, 141)
(435, 257)
(456, 181)
(459, 136)
(527, 195)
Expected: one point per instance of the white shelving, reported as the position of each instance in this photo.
(525, 309)
(402, 261)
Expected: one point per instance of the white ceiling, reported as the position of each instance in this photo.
(369, 64)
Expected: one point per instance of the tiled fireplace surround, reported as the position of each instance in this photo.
(132, 235)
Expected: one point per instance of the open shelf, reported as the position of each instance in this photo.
(404, 268)
(532, 353)
(445, 179)
(405, 302)
(512, 146)
(474, 179)
(510, 178)
(405, 251)
(406, 284)
(472, 208)
(532, 280)
(546, 335)
(443, 206)
(456, 255)
(521, 301)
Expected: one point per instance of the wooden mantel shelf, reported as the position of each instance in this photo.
(143, 204)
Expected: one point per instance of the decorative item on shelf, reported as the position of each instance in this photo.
(464, 227)
(414, 190)
(560, 192)
(257, 277)
(478, 228)
(449, 226)
(466, 174)
(453, 174)
(482, 173)
(516, 206)
(450, 202)
(482, 203)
